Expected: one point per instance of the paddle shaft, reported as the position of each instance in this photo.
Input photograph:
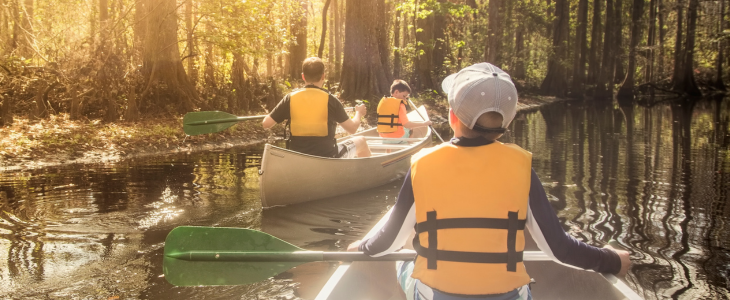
(419, 113)
(296, 256)
(307, 256)
(226, 120)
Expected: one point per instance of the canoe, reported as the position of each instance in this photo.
(288, 177)
(377, 280)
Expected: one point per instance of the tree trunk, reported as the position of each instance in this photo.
(581, 49)
(396, 45)
(650, 42)
(662, 36)
(209, 72)
(439, 38)
(324, 28)
(686, 81)
(594, 61)
(626, 91)
(132, 112)
(338, 39)
(382, 32)
(26, 39)
(520, 67)
(298, 47)
(15, 15)
(555, 82)
(161, 64)
(140, 31)
(494, 33)
(4, 28)
(331, 49)
(237, 101)
(619, 51)
(191, 57)
(604, 84)
(719, 84)
(363, 75)
(678, 57)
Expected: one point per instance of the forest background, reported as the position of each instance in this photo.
(78, 75)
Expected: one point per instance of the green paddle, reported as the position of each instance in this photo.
(232, 256)
(202, 122)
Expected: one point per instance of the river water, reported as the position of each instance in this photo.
(655, 178)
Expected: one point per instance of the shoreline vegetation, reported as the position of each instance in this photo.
(55, 141)
(137, 66)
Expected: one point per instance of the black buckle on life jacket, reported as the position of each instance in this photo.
(392, 120)
(432, 254)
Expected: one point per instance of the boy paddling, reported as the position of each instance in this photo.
(392, 116)
(470, 201)
(314, 114)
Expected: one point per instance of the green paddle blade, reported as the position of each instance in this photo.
(202, 122)
(210, 240)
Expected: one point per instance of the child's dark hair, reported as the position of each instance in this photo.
(312, 68)
(399, 85)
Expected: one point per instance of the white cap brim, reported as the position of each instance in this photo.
(448, 83)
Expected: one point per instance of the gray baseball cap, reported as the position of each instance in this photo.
(478, 89)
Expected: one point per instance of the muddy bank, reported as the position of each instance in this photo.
(30, 144)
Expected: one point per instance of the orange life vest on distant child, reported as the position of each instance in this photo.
(471, 209)
(388, 109)
(308, 110)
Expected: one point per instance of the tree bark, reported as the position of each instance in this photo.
(439, 39)
(686, 81)
(719, 83)
(619, 51)
(238, 100)
(324, 28)
(581, 49)
(626, 91)
(494, 33)
(331, 48)
(662, 37)
(678, 57)
(140, 31)
(594, 62)
(396, 46)
(161, 64)
(363, 75)
(209, 72)
(338, 39)
(298, 47)
(555, 82)
(382, 32)
(604, 84)
(520, 67)
(650, 42)
(191, 57)
(26, 39)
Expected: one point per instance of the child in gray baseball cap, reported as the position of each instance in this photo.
(482, 101)
(470, 201)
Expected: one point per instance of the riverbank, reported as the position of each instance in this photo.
(32, 144)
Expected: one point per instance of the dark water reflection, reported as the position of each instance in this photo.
(656, 179)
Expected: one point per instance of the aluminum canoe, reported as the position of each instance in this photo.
(377, 280)
(288, 177)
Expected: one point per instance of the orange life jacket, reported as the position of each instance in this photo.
(471, 209)
(388, 110)
(308, 110)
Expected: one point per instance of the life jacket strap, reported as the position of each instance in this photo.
(432, 254)
(392, 120)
